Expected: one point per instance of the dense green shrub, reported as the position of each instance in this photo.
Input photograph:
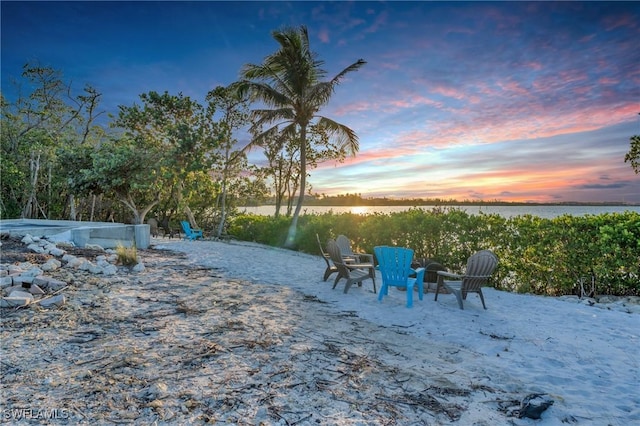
(261, 229)
(537, 255)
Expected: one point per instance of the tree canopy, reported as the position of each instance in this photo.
(290, 83)
(633, 156)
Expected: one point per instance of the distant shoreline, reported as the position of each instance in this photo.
(391, 203)
(506, 210)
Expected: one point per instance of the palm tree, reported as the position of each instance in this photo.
(289, 81)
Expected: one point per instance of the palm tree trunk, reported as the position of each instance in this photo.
(30, 210)
(72, 207)
(187, 211)
(293, 228)
(223, 205)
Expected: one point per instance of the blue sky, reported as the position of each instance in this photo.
(514, 101)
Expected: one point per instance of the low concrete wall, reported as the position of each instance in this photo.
(142, 236)
(104, 234)
(104, 237)
(112, 236)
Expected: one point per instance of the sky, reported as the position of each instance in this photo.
(511, 101)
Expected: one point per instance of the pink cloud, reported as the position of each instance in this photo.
(406, 101)
(533, 65)
(390, 65)
(353, 107)
(512, 87)
(608, 80)
(537, 124)
(529, 183)
(448, 92)
(376, 157)
(323, 35)
(380, 21)
(460, 93)
(587, 38)
(484, 126)
(415, 100)
(620, 21)
(458, 30)
(485, 89)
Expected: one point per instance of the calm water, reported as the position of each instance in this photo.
(548, 212)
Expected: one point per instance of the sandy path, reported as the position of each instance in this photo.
(180, 344)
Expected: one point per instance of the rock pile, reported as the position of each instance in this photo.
(25, 283)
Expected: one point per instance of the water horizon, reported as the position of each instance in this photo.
(543, 211)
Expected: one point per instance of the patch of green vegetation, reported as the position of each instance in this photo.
(127, 256)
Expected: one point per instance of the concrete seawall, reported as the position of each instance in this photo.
(104, 234)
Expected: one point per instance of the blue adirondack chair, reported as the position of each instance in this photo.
(395, 268)
(191, 234)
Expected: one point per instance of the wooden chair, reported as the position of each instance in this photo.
(345, 248)
(480, 266)
(331, 268)
(395, 267)
(353, 272)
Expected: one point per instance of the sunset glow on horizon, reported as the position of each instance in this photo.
(509, 101)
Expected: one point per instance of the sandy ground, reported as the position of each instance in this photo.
(215, 336)
(178, 344)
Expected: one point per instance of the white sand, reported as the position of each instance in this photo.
(585, 358)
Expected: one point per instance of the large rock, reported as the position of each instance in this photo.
(35, 290)
(6, 281)
(32, 271)
(110, 270)
(57, 252)
(72, 261)
(53, 301)
(139, 267)
(51, 265)
(23, 279)
(16, 299)
(51, 284)
(36, 248)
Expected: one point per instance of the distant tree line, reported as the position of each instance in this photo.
(358, 200)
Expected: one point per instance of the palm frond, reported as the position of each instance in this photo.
(259, 139)
(345, 137)
(353, 67)
(262, 92)
(275, 136)
(320, 94)
(261, 117)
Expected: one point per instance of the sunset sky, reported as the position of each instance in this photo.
(512, 101)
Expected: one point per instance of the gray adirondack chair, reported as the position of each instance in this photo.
(353, 272)
(345, 248)
(480, 267)
(331, 268)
